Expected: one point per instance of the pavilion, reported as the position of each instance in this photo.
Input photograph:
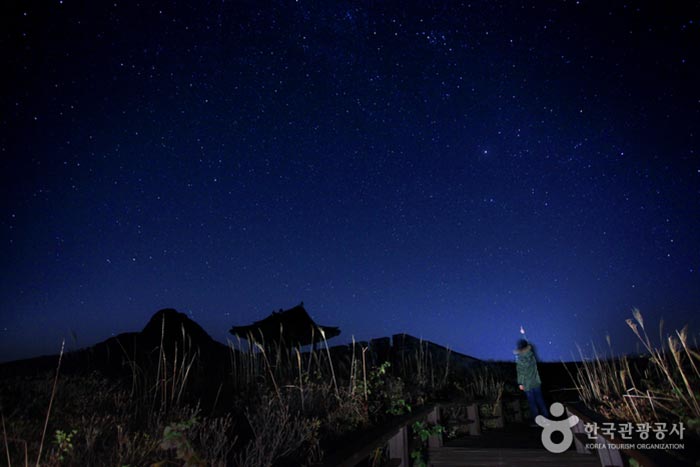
(291, 328)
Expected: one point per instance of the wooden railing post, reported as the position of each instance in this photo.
(608, 457)
(517, 410)
(435, 441)
(579, 435)
(498, 414)
(394, 436)
(474, 422)
(398, 447)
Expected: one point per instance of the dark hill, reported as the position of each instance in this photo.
(175, 328)
(115, 356)
(179, 335)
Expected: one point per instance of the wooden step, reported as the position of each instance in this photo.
(475, 457)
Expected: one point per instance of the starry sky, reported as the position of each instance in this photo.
(452, 170)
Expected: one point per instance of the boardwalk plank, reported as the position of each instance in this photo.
(490, 457)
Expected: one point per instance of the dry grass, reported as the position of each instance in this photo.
(275, 403)
(423, 368)
(661, 385)
(278, 432)
(484, 384)
(90, 420)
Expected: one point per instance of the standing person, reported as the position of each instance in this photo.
(529, 378)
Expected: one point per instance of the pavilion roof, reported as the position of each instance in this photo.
(292, 327)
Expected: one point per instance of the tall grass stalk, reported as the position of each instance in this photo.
(665, 389)
(269, 369)
(301, 379)
(364, 370)
(4, 438)
(48, 411)
(313, 349)
(330, 362)
(447, 366)
(351, 384)
(484, 384)
(161, 356)
(691, 400)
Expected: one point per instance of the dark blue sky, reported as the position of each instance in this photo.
(449, 170)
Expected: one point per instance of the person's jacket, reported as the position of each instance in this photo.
(526, 366)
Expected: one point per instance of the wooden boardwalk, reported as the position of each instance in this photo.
(490, 457)
(512, 446)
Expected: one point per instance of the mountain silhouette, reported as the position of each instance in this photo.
(179, 335)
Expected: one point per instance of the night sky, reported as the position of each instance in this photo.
(448, 170)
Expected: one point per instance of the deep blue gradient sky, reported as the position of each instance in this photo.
(449, 170)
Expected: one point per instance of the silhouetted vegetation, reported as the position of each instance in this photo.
(661, 385)
(171, 395)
